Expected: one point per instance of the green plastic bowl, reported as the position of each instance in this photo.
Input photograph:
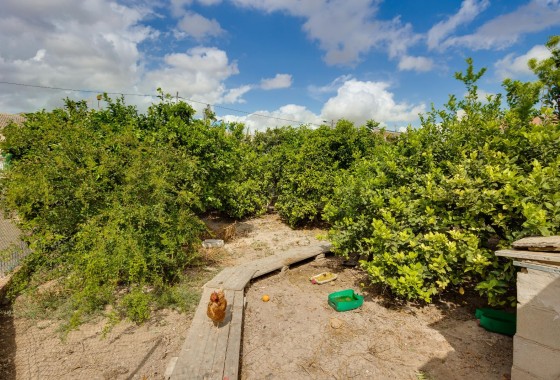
(345, 300)
(498, 321)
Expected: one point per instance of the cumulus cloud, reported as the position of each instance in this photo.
(506, 29)
(415, 63)
(355, 100)
(360, 101)
(94, 45)
(197, 74)
(279, 81)
(512, 66)
(67, 44)
(290, 114)
(467, 13)
(318, 91)
(235, 95)
(199, 27)
(209, 2)
(345, 30)
(178, 7)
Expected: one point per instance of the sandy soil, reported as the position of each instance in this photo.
(295, 335)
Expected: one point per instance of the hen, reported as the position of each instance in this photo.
(216, 310)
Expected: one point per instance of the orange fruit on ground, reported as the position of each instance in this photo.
(265, 298)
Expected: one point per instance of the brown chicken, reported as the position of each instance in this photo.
(216, 310)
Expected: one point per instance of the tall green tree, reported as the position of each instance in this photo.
(548, 71)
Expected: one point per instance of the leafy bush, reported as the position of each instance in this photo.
(303, 162)
(422, 212)
(109, 198)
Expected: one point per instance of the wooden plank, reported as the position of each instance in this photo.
(247, 271)
(538, 265)
(540, 243)
(221, 278)
(267, 265)
(530, 255)
(289, 257)
(231, 365)
(187, 366)
(243, 277)
(212, 362)
(211, 354)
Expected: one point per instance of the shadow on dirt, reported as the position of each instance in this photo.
(220, 227)
(7, 342)
(486, 353)
(474, 350)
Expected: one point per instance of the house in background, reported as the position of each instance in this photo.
(6, 119)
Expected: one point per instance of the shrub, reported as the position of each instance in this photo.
(421, 212)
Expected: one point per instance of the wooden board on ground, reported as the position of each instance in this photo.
(210, 353)
(195, 343)
(205, 348)
(530, 255)
(546, 244)
(231, 362)
(272, 263)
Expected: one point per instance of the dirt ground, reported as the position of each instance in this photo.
(295, 335)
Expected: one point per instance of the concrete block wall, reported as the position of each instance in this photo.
(536, 345)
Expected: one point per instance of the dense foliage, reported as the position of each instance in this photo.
(424, 213)
(302, 163)
(110, 200)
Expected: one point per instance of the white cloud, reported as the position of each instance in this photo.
(178, 7)
(355, 100)
(318, 91)
(67, 44)
(345, 30)
(198, 74)
(290, 114)
(415, 63)
(235, 95)
(360, 101)
(279, 81)
(483, 95)
(94, 45)
(506, 29)
(467, 13)
(512, 66)
(199, 27)
(209, 2)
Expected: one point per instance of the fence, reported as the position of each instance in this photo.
(12, 249)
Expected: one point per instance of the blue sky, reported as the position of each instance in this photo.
(305, 61)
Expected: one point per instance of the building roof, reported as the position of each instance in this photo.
(6, 118)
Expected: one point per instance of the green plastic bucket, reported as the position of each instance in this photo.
(345, 300)
(498, 321)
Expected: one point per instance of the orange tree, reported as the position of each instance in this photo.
(109, 199)
(426, 213)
